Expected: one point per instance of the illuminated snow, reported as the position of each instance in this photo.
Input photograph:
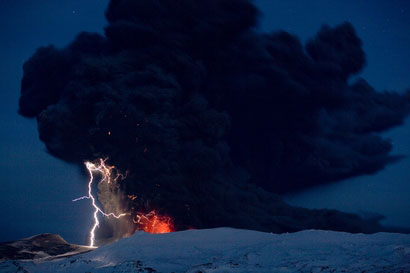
(233, 250)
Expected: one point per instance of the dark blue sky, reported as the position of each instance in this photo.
(37, 189)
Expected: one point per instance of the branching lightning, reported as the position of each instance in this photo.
(106, 174)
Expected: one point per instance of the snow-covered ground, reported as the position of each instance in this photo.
(232, 250)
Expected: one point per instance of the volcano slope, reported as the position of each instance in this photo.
(234, 250)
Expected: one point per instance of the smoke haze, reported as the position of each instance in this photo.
(211, 118)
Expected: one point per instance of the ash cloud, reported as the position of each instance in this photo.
(210, 117)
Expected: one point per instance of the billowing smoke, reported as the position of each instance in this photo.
(209, 116)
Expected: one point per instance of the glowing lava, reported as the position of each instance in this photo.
(154, 223)
(150, 222)
(106, 173)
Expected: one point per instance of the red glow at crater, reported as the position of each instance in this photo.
(154, 223)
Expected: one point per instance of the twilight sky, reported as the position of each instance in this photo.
(35, 195)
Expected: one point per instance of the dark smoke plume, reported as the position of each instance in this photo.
(209, 116)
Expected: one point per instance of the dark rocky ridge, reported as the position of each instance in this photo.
(44, 246)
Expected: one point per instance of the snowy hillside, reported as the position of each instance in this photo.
(233, 250)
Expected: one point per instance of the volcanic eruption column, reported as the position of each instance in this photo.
(210, 117)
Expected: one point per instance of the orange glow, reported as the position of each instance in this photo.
(150, 222)
(132, 197)
(153, 223)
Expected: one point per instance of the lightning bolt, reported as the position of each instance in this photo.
(106, 173)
